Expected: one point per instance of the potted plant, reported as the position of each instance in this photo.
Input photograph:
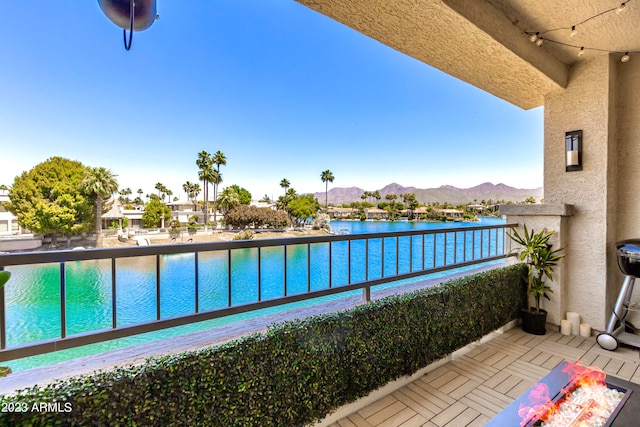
(536, 251)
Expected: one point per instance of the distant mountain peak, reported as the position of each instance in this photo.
(444, 193)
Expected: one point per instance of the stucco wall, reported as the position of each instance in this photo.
(585, 104)
(602, 100)
(628, 165)
(552, 218)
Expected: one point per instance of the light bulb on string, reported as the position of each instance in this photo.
(621, 8)
(573, 31)
(581, 51)
(625, 57)
(534, 37)
(539, 41)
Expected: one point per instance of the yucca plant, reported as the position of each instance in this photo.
(536, 251)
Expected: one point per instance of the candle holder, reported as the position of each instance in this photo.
(573, 144)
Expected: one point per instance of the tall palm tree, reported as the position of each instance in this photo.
(100, 183)
(159, 186)
(204, 174)
(218, 158)
(285, 184)
(216, 180)
(196, 191)
(327, 177)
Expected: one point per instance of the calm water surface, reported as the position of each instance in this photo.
(33, 293)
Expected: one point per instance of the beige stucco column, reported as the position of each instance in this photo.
(552, 218)
(601, 100)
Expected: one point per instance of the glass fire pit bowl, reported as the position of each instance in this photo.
(533, 406)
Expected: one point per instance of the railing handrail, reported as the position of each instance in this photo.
(66, 255)
(117, 331)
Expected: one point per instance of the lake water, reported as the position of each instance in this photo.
(33, 293)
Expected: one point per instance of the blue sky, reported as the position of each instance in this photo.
(283, 91)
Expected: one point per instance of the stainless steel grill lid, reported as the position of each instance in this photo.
(629, 256)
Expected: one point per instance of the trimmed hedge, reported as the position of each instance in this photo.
(292, 375)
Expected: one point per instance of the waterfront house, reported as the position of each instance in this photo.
(8, 222)
(341, 213)
(375, 213)
(449, 213)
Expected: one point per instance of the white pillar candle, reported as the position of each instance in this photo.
(574, 318)
(585, 329)
(572, 158)
(565, 327)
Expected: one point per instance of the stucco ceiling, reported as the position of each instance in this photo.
(483, 42)
(608, 32)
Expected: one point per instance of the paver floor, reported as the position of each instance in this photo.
(471, 389)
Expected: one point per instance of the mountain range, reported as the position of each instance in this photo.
(445, 193)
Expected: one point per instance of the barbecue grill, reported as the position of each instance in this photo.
(628, 252)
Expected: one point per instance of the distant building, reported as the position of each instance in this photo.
(375, 213)
(8, 222)
(337, 213)
(453, 213)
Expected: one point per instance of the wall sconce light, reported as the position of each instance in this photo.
(573, 142)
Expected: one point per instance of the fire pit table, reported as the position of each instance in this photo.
(552, 395)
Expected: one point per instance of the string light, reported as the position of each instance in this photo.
(621, 8)
(538, 39)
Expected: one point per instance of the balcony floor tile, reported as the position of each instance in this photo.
(474, 387)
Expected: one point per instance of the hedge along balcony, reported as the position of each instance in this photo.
(293, 374)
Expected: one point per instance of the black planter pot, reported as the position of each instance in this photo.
(534, 323)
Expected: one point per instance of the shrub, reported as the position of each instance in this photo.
(244, 235)
(293, 374)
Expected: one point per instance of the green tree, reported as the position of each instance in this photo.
(228, 199)
(303, 207)
(49, 199)
(154, 212)
(192, 189)
(218, 158)
(205, 174)
(285, 184)
(411, 203)
(327, 177)
(243, 194)
(100, 183)
(289, 196)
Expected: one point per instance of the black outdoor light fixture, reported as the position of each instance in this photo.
(573, 142)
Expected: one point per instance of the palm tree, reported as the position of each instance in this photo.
(285, 184)
(327, 177)
(204, 174)
(216, 179)
(100, 183)
(160, 187)
(218, 159)
(228, 199)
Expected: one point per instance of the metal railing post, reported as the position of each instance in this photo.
(366, 294)
(63, 302)
(3, 323)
